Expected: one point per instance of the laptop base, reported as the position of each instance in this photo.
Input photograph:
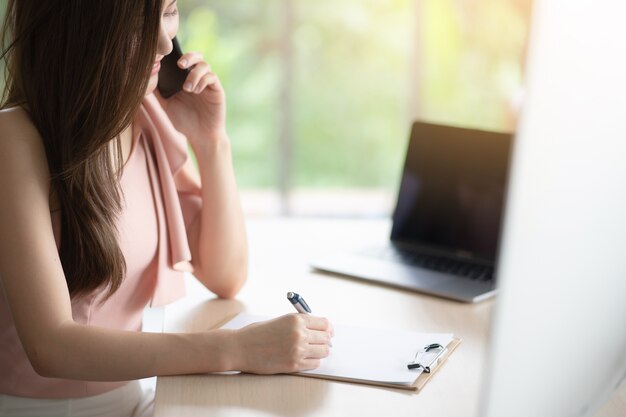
(406, 277)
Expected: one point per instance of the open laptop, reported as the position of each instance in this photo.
(446, 224)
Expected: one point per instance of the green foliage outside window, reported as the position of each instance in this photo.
(359, 64)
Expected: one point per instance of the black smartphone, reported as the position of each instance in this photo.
(171, 76)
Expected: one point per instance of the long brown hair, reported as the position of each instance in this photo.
(80, 69)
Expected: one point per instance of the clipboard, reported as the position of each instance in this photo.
(419, 383)
(379, 357)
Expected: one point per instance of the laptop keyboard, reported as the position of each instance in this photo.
(437, 263)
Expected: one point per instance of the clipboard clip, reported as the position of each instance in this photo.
(428, 357)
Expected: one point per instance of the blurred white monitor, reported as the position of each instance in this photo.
(558, 344)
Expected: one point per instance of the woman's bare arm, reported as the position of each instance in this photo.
(217, 236)
(34, 284)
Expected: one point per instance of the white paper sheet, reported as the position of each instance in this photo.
(364, 354)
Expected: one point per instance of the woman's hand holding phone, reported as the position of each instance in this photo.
(199, 110)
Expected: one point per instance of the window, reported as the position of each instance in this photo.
(321, 94)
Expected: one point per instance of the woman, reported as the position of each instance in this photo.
(102, 211)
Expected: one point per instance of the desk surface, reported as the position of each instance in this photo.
(279, 250)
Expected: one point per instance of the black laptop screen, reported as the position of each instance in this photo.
(452, 190)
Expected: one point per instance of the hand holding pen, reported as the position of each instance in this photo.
(301, 306)
(286, 344)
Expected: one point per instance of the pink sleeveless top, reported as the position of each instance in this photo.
(160, 201)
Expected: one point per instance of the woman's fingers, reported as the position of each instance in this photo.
(200, 75)
(316, 323)
(317, 352)
(195, 76)
(206, 81)
(317, 337)
(189, 59)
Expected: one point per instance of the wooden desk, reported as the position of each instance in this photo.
(279, 250)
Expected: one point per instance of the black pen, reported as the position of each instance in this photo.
(300, 305)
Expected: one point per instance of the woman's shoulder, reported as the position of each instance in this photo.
(20, 140)
(22, 153)
(17, 127)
